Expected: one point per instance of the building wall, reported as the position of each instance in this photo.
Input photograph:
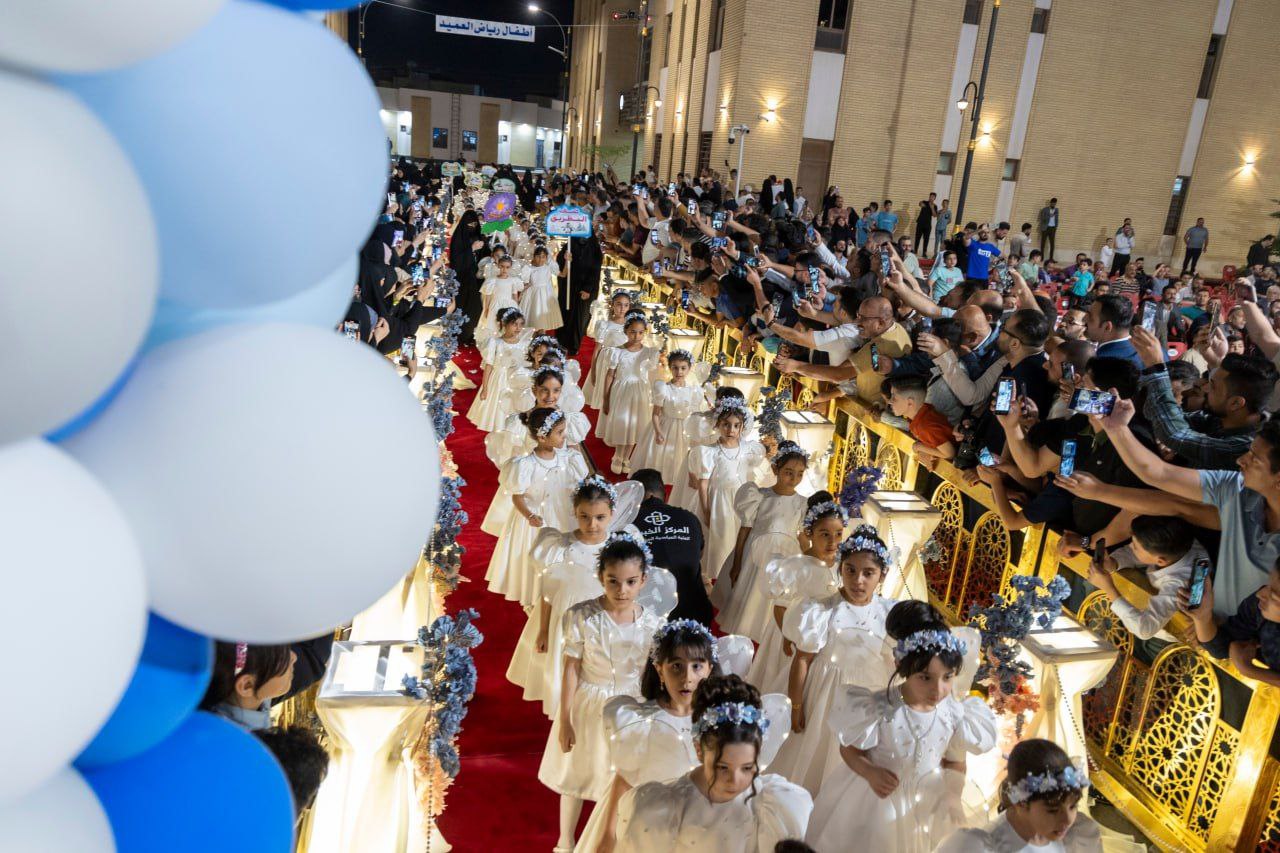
(520, 121)
(1099, 111)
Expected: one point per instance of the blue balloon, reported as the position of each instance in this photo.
(255, 198)
(97, 407)
(209, 786)
(323, 305)
(167, 685)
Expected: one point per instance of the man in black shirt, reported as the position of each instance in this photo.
(674, 535)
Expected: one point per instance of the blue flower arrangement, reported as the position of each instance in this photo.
(860, 484)
(448, 682)
(442, 550)
(717, 367)
(773, 404)
(438, 395)
(1004, 624)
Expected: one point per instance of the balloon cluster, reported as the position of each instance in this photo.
(190, 460)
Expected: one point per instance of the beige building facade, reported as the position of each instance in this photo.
(1161, 111)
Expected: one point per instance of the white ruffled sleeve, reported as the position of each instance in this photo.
(747, 502)
(701, 461)
(576, 464)
(855, 716)
(573, 370)
(549, 546)
(576, 428)
(643, 745)
(517, 475)
(699, 431)
(975, 728)
(648, 818)
(574, 640)
(782, 811)
(806, 625)
(615, 358)
(735, 653)
(661, 394)
(572, 400)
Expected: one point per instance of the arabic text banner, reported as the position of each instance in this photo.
(487, 29)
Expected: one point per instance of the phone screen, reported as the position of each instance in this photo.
(352, 330)
(671, 188)
(685, 298)
(926, 324)
(1088, 402)
(397, 237)
(885, 263)
(653, 237)
(875, 357)
(1199, 576)
(717, 222)
(407, 348)
(1067, 466)
(1068, 371)
(692, 207)
(1004, 397)
(1149, 316)
(985, 457)
(657, 268)
(813, 279)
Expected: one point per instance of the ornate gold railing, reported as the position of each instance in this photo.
(1182, 744)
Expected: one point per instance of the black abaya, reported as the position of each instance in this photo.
(584, 277)
(463, 260)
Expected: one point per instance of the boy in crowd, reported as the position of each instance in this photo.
(1251, 633)
(1166, 548)
(933, 432)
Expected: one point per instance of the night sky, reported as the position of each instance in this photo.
(398, 40)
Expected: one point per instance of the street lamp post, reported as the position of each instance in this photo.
(642, 92)
(564, 82)
(980, 90)
(565, 132)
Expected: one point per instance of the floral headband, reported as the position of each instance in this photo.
(547, 370)
(730, 712)
(242, 658)
(823, 510)
(731, 405)
(552, 419)
(683, 625)
(506, 315)
(621, 292)
(624, 536)
(865, 538)
(1070, 778)
(634, 315)
(929, 640)
(680, 355)
(543, 341)
(595, 480)
(790, 448)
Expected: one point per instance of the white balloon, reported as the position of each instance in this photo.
(68, 188)
(86, 35)
(61, 816)
(74, 599)
(279, 478)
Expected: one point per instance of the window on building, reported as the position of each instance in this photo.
(973, 11)
(1178, 199)
(717, 23)
(666, 41)
(947, 163)
(1040, 21)
(1011, 170)
(704, 151)
(439, 137)
(1210, 67)
(469, 140)
(833, 25)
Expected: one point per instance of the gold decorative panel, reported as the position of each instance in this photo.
(948, 535)
(889, 460)
(984, 575)
(1100, 704)
(1218, 767)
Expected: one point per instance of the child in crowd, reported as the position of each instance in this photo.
(789, 580)
(1166, 546)
(1081, 282)
(838, 640)
(539, 485)
(1251, 634)
(245, 679)
(566, 562)
(725, 804)
(664, 442)
(770, 519)
(1039, 807)
(500, 354)
(899, 783)
(538, 301)
(627, 406)
(720, 471)
(606, 643)
(501, 291)
(934, 435)
(608, 334)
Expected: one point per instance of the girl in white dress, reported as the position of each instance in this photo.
(719, 471)
(539, 301)
(699, 430)
(663, 443)
(898, 786)
(789, 580)
(539, 485)
(609, 334)
(770, 520)
(1038, 808)
(546, 391)
(627, 404)
(606, 644)
(567, 575)
(839, 639)
(725, 804)
(503, 291)
(500, 354)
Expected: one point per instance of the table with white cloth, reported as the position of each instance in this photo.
(905, 521)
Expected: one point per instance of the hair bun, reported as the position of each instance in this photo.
(723, 690)
(908, 617)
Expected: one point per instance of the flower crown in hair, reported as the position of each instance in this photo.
(929, 640)
(731, 405)
(865, 538)
(598, 482)
(506, 315)
(790, 448)
(630, 294)
(822, 510)
(547, 370)
(635, 314)
(543, 341)
(1070, 778)
(730, 712)
(683, 625)
(680, 355)
(552, 419)
(624, 536)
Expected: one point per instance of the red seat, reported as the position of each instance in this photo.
(1176, 349)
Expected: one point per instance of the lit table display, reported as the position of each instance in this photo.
(746, 380)
(368, 802)
(691, 340)
(905, 521)
(409, 604)
(813, 432)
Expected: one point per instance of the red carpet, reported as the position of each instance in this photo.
(497, 803)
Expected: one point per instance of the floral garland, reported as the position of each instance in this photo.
(773, 404)
(448, 682)
(717, 367)
(860, 484)
(1003, 625)
(442, 551)
(437, 396)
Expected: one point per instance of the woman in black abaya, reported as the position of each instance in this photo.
(581, 286)
(466, 248)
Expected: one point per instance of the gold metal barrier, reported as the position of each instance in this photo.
(1182, 744)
